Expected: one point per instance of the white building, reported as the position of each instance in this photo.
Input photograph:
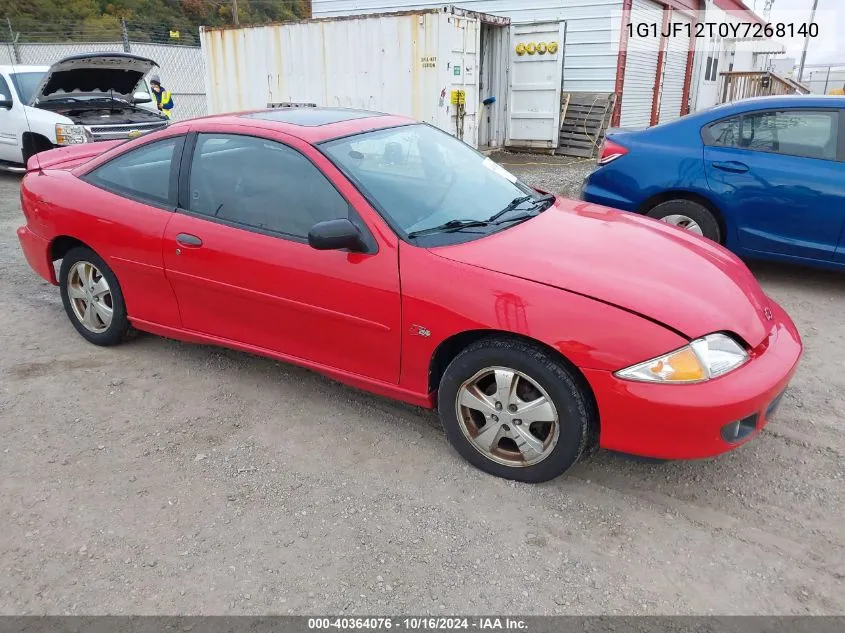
(715, 55)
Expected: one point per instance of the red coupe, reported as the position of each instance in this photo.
(391, 256)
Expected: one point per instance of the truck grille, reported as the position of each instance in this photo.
(111, 132)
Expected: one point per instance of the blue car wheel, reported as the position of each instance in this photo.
(690, 216)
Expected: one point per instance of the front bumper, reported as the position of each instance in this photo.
(37, 252)
(700, 420)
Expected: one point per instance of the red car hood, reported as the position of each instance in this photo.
(687, 283)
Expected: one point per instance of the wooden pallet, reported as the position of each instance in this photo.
(584, 117)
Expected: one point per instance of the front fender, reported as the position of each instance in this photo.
(442, 298)
(43, 122)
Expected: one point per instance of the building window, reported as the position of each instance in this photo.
(715, 73)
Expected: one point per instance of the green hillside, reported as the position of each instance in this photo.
(147, 20)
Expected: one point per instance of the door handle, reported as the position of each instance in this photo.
(186, 239)
(732, 166)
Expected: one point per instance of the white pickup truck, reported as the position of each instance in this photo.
(80, 99)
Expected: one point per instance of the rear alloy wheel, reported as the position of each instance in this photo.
(92, 297)
(690, 216)
(514, 410)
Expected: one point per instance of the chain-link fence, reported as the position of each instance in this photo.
(181, 67)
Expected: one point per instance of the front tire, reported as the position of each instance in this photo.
(33, 144)
(92, 297)
(515, 410)
(690, 216)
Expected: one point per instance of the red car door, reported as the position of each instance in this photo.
(237, 256)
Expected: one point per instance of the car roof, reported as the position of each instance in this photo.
(781, 101)
(313, 125)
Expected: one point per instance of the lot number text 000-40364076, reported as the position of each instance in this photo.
(752, 30)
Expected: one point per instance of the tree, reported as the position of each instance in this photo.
(148, 20)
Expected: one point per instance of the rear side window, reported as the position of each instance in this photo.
(723, 133)
(260, 184)
(143, 173)
(801, 133)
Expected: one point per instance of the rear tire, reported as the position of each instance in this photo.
(689, 215)
(515, 410)
(92, 297)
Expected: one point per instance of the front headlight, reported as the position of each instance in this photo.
(68, 134)
(703, 359)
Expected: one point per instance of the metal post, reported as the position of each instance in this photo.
(827, 79)
(124, 33)
(807, 42)
(235, 12)
(13, 40)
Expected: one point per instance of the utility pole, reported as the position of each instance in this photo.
(235, 12)
(807, 42)
(13, 41)
(124, 35)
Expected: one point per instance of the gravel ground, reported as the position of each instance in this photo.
(164, 478)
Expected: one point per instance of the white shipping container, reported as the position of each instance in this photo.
(406, 63)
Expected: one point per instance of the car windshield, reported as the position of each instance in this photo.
(26, 83)
(423, 178)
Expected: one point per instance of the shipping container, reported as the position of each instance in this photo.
(590, 60)
(436, 65)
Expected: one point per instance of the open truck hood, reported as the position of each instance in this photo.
(93, 75)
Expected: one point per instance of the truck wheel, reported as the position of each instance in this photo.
(33, 144)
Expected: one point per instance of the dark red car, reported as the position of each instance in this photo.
(393, 257)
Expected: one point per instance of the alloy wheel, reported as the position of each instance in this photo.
(683, 222)
(90, 297)
(508, 417)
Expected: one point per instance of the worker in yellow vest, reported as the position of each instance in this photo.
(164, 100)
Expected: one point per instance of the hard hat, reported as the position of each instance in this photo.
(155, 79)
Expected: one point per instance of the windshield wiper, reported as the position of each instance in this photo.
(447, 227)
(513, 205)
(546, 197)
(108, 100)
(516, 202)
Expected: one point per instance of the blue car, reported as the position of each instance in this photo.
(763, 176)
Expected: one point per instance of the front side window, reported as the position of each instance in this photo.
(143, 173)
(803, 133)
(260, 184)
(422, 178)
(5, 93)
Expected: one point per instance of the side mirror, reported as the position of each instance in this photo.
(6, 103)
(334, 235)
(141, 97)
